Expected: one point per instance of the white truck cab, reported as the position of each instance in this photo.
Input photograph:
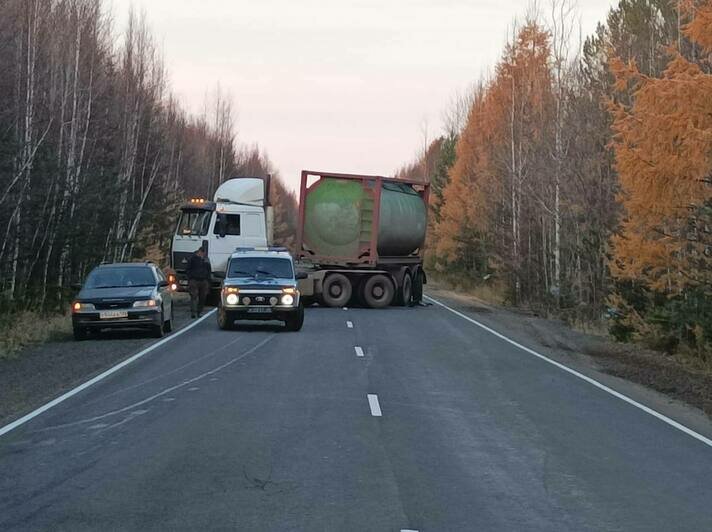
(238, 216)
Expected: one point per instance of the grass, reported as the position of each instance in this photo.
(27, 328)
(486, 292)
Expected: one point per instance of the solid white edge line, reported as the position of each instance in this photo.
(349, 324)
(359, 351)
(581, 376)
(74, 391)
(373, 404)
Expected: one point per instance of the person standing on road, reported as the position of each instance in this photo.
(199, 273)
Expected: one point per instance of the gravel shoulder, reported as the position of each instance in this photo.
(663, 382)
(42, 372)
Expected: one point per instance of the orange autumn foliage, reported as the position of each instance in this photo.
(505, 128)
(663, 150)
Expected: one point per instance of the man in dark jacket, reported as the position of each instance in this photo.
(199, 273)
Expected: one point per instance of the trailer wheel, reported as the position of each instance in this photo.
(378, 291)
(418, 288)
(336, 290)
(405, 293)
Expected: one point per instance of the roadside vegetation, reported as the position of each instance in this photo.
(21, 329)
(577, 181)
(96, 154)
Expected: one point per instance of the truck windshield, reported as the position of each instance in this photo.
(261, 267)
(120, 277)
(194, 223)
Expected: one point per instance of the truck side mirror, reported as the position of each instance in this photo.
(301, 275)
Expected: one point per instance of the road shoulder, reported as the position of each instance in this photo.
(42, 372)
(651, 378)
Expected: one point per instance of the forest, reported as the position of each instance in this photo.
(576, 180)
(96, 154)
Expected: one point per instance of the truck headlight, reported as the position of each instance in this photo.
(144, 303)
(231, 299)
(287, 299)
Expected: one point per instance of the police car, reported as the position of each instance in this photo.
(261, 284)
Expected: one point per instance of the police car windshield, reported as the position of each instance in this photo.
(260, 267)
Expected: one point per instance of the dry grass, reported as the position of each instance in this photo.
(30, 328)
(487, 292)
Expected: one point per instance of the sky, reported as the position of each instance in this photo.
(340, 85)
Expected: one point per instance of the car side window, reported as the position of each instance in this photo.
(159, 275)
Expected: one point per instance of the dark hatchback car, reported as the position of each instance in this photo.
(129, 295)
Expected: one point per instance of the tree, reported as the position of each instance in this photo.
(663, 148)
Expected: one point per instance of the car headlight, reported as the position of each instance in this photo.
(144, 303)
(287, 299)
(231, 299)
(78, 307)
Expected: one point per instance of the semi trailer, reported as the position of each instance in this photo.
(361, 237)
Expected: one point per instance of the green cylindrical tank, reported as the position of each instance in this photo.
(339, 214)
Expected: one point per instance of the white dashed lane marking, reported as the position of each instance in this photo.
(359, 351)
(350, 324)
(373, 403)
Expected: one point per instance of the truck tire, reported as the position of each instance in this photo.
(295, 320)
(418, 288)
(336, 290)
(405, 292)
(378, 291)
(226, 320)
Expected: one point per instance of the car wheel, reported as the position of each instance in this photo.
(168, 324)
(79, 334)
(158, 329)
(226, 320)
(295, 320)
(378, 291)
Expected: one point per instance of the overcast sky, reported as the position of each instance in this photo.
(337, 85)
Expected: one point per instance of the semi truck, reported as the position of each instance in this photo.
(361, 237)
(239, 215)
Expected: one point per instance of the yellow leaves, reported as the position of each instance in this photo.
(663, 153)
(625, 74)
(700, 29)
(513, 109)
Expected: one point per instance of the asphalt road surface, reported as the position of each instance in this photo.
(261, 429)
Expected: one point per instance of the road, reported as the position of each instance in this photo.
(265, 430)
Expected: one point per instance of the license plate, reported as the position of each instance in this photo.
(113, 314)
(183, 282)
(259, 310)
